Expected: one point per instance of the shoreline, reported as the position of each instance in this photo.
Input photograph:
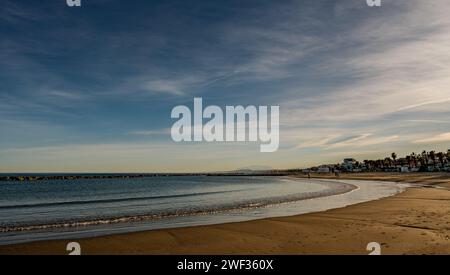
(416, 221)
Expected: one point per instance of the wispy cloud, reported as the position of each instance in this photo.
(150, 132)
(444, 137)
(314, 143)
(335, 142)
(13, 12)
(166, 86)
(421, 104)
(393, 61)
(366, 140)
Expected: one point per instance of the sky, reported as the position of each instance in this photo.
(91, 88)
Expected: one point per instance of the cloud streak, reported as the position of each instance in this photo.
(444, 137)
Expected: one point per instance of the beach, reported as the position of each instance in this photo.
(416, 221)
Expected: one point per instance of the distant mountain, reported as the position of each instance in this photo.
(253, 168)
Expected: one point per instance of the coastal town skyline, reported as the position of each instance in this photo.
(90, 89)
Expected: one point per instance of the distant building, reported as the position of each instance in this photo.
(404, 169)
(349, 164)
(323, 169)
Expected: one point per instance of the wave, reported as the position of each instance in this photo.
(84, 202)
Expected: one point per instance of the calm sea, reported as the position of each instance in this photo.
(90, 207)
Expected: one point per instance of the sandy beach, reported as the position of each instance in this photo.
(416, 221)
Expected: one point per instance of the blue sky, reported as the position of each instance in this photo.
(91, 88)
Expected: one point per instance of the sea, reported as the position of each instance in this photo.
(71, 209)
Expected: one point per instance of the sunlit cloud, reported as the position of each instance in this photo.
(424, 104)
(444, 137)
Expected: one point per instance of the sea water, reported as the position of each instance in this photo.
(55, 209)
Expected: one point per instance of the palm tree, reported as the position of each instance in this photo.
(432, 155)
(441, 156)
(424, 154)
(388, 162)
(367, 164)
(408, 159)
(414, 159)
(394, 157)
(424, 161)
(378, 163)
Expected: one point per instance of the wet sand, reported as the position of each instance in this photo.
(414, 222)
